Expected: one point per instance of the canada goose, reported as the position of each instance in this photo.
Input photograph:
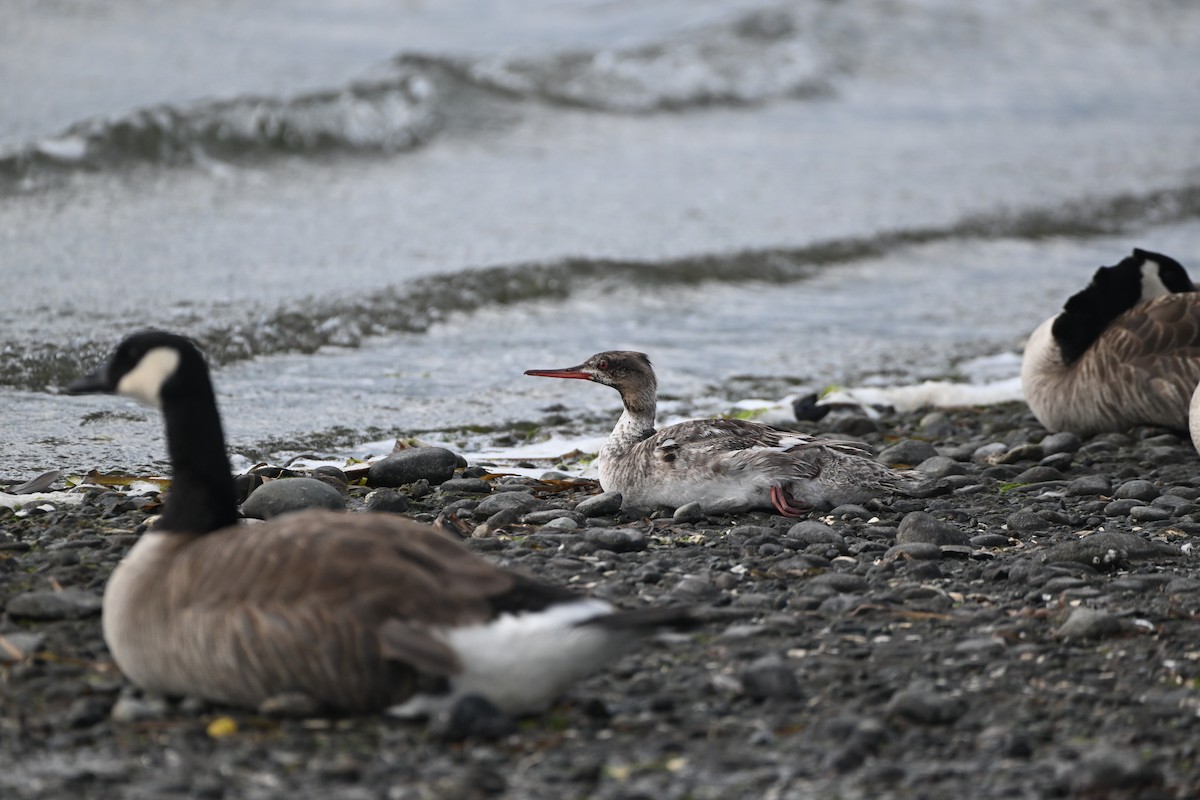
(727, 465)
(351, 612)
(1124, 351)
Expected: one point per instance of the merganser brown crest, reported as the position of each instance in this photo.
(727, 465)
(353, 612)
(1124, 351)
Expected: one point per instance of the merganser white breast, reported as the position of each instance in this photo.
(1124, 351)
(727, 465)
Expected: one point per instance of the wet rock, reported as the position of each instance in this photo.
(770, 678)
(990, 540)
(289, 704)
(562, 524)
(501, 519)
(688, 513)
(619, 540)
(907, 452)
(517, 502)
(434, 464)
(291, 494)
(67, 604)
(989, 453)
(1090, 623)
(386, 500)
(600, 505)
(1121, 508)
(549, 515)
(937, 424)
(87, 711)
(1136, 490)
(919, 526)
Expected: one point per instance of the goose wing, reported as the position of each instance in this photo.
(1152, 355)
(345, 608)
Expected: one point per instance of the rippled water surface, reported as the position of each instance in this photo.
(375, 215)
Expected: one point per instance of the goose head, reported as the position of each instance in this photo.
(149, 366)
(626, 371)
(1114, 290)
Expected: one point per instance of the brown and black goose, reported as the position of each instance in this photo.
(727, 465)
(352, 612)
(1124, 351)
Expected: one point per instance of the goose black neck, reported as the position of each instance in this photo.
(201, 499)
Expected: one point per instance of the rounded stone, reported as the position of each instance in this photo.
(518, 502)
(1089, 485)
(1136, 490)
(906, 451)
(1025, 522)
(291, 494)
(600, 505)
(941, 467)
(434, 464)
(618, 540)
(386, 500)
(1062, 442)
(67, 604)
(921, 527)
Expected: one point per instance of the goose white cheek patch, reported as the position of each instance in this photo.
(1152, 285)
(144, 382)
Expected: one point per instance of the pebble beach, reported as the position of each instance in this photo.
(1028, 632)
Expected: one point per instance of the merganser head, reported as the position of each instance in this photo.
(147, 366)
(626, 371)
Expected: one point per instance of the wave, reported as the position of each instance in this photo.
(414, 307)
(383, 116)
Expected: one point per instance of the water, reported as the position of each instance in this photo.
(375, 215)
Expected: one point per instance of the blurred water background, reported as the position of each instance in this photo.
(375, 214)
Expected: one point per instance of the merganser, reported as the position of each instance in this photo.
(349, 612)
(1124, 351)
(727, 465)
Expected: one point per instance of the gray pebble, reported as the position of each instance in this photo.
(23, 643)
(688, 512)
(1022, 452)
(600, 505)
(502, 518)
(1108, 771)
(990, 540)
(434, 464)
(1025, 522)
(921, 551)
(810, 531)
(1090, 623)
(841, 582)
(518, 502)
(466, 486)
(937, 424)
(138, 709)
(67, 604)
(919, 526)
(1107, 550)
(1062, 442)
(1088, 485)
(563, 524)
(550, 514)
(1136, 490)
(619, 540)
(1149, 514)
(387, 501)
(924, 706)
(1121, 508)
(941, 467)
(1039, 475)
(907, 452)
(989, 453)
(291, 494)
(769, 678)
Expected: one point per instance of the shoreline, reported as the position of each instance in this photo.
(1030, 633)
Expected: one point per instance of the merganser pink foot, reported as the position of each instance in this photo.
(727, 465)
